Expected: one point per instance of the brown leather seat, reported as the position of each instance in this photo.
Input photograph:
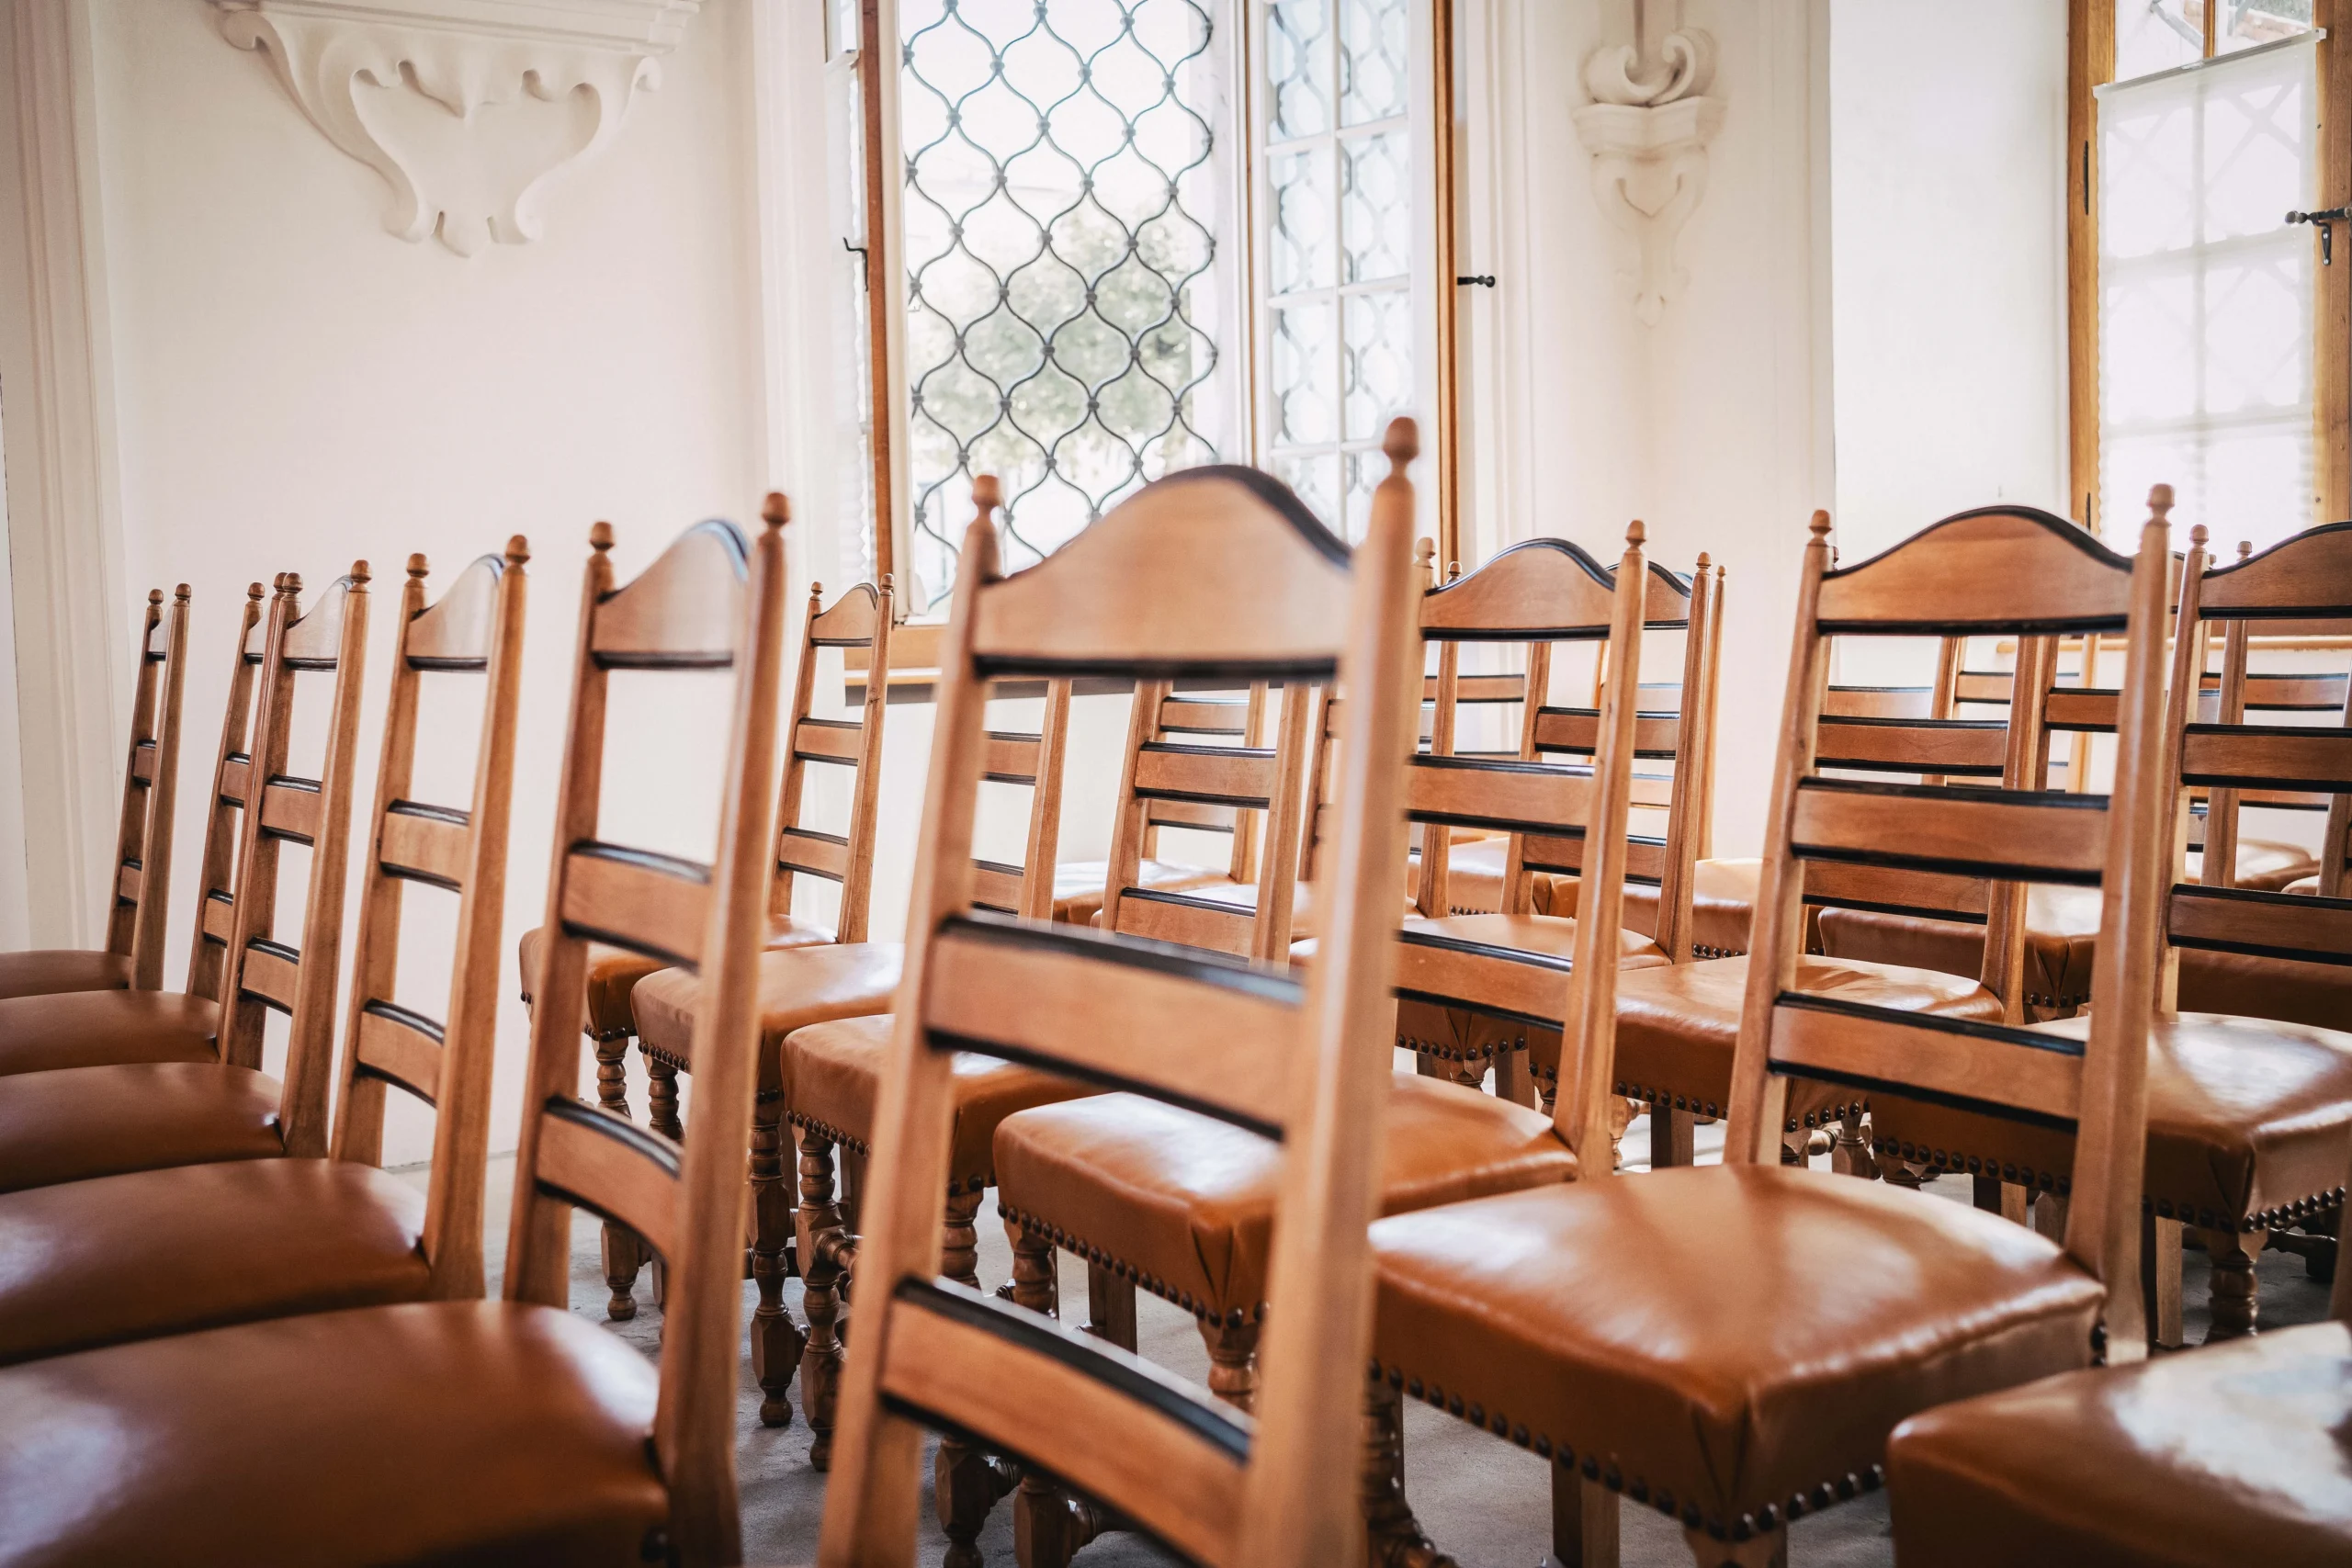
(2231, 1455)
(2061, 944)
(1722, 902)
(2303, 884)
(77, 1124)
(1077, 884)
(90, 1029)
(803, 985)
(2252, 986)
(1461, 1034)
(1687, 1332)
(171, 1251)
(512, 1435)
(832, 1081)
(2249, 1123)
(45, 971)
(612, 974)
(1189, 1201)
(2263, 864)
(1677, 1026)
(1474, 878)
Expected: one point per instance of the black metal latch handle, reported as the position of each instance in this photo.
(1486, 281)
(2327, 222)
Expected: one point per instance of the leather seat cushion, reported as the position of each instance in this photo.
(93, 1263)
(2061, 944)
(2287, 989)
(91, 1029)
(1189, 1201)
(612, 973)
(76, 1123)
(2247, 1120)
(454, 1432)
(2262, 864)
(1677, 1026)
(1458, 1033)
(2305, 883)
(1686, 1328)
(1303, 928)
(805, 986)
(44, 972)
(2231, 1455)
(1723, 906)
(1473, 879)
(1077, 884)
(832, 1081)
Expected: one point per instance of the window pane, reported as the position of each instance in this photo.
(1378, 209)
(1317, 480)
(1302, 254)
(1373, 84)
(1298, 65)
(1059, 219)
(2245, 23)
(1303, 365)
(2156, 35)
(1379, 361)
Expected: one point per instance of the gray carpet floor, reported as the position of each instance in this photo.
(1483, 1501)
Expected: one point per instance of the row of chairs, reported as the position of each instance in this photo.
(1148, 1086)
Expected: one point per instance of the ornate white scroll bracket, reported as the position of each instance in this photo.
(470, 109)
(1648, 132)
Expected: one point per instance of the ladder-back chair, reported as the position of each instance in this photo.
(140, 897)
(1678, 1337)
(216, 886)
(1216, 573)
(245, 1238)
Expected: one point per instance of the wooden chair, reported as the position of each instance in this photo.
(490, 1431)
(244, 1238)
(1675, 1337)
(133, 958)
(1217, 572)
(257, 972)
(860, 620)
(851, 977)
(2231, 1455)
(216, 897)
(2248, 1112)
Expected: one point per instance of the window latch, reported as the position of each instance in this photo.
(1484, 281)
(2327, 222)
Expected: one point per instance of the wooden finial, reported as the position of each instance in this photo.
(1704, 562)
(600, 537)
(155, 595)
(254, 590)
(1424, 550)
(2160, 503)
(2245, 547)
(1402, 444)
(1635, 534)
(180, 593)
(2197, 536)
(518, 549)
(416, 567)
(776, 512)
(987, 494)
(889, 582)
(1453, 572)
(1820, 524)
(816, 592)
(289, 582)
(359, 574)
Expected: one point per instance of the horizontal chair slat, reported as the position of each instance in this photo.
(621, 1170)
(828, 739)
(818, 854)
(1203, 715)
(2279, 925)
(2029, 835)
(425, 843)
(1212, 926)
(1644, 857)
(1228, 775)
(1505, 796)
(2088, 712)
(996, 885)
(235, 779)
(1896, 890)
(1970, 748)
(1577, 730)
(2011, 1071)
(956, 1358)
(220, 917)
(1179, 1026)
(1010, 758)
(2266, 756)
(402, 1047)
(2277, 692)
(142, 763)
(1878, 702)
(1192, 814)
(1985, 686)
(270, 972)
(289, 808)
(649, 904)
(128, 878)
(1531, 987)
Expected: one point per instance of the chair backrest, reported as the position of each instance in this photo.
(216, 871)
(1538, 594)
(1213, 573)
(710, 602)
(141, 896)
(263, 973)
(859, 619)
(1206, 717)
(2306, 581)
(1555, 815)
(475, 629)
(2035, 577)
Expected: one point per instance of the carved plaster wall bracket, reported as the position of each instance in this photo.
(467, 109)
(1647, 129)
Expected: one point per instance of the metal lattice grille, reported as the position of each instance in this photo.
(1060, 192)
(1340, 246)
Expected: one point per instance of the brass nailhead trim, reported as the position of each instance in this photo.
(1207, 1311)
(2293, 1211)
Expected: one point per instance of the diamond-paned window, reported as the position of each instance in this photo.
(1341, 211)
(2206, 307)
(1065, 181)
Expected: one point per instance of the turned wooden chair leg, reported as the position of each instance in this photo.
(1513, 1082)
(2160, 1281)
(1584, 1521)
(661, 1115)
(776, 1340)
(965, 1481)
(1673, 1137)
(1767, 1550)
(1392, 1535)
(2233, 1307)
(1110, 1306)
(1852, 1155)
(959, 1237)
(1048, 1527)
(821, 1354)
(1233, 1356)
(624, 1253)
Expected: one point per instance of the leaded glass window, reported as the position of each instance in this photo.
(1066, 186)
(1341, 212)
(2206, 309)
